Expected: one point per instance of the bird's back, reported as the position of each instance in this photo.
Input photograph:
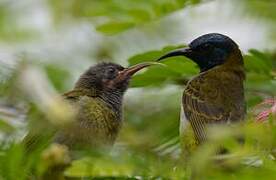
(213, 97)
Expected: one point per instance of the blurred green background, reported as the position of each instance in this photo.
(46, 44)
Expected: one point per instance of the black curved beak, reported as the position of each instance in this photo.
(179, 52)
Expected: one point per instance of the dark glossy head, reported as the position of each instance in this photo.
(207, 51)
(108, 77)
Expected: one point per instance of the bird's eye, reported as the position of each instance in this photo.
(111, 71)
(207, 46)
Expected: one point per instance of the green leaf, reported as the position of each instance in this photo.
(176, 69)
(140, 15)
(99, 167)
(121, 14)
(57, 75)
(263, 9)
(114, 27)
(6, 127)
(152, 55)
(258, 62)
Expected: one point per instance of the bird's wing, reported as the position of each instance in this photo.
(203, 103)
(37, 140)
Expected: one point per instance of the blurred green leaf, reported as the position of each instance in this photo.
(148, 144)
(258, 62)
(15, 164)
(114, 27)
(10, 29)
(57, 76)
(260, 67)
(100, 167)
(152, 55)
(264, 8)
(176, 69)
(6, 127)
(115, 16)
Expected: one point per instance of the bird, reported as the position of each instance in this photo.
(97, 98)
(214, 96)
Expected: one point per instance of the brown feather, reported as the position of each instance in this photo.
(214, 96)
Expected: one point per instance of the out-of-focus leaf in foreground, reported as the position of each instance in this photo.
(124, 164)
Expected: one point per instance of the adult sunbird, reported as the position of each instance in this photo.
(97, 98)
(216, 94)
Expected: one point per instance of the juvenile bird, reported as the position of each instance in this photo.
(216, 94)
(97, 98)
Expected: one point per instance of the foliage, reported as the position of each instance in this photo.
(10, 30)
(115, 16)
(148, 145)
(257, 8)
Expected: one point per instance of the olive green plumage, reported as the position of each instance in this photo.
(97, 98)
(213, 97)
(216, 95)
(96, 123)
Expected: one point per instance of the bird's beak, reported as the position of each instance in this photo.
(128, 72)
(179, 52)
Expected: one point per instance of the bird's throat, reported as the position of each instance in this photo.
(113, 100)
